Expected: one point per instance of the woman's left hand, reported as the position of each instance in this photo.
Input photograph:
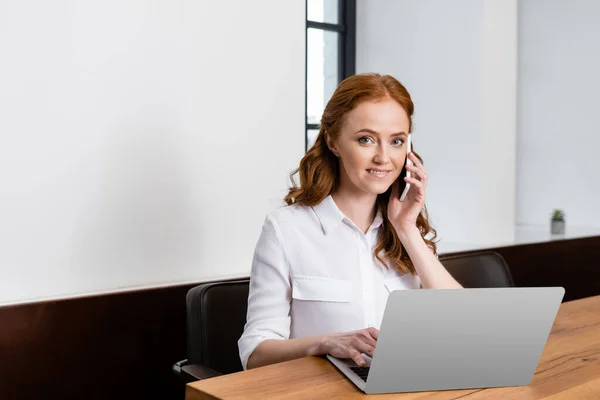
(403, 214)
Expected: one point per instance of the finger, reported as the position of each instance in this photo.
(420, 172)
(418, 186)
(368, 339)
(415, 182)
(415, 160)
(373, 332)
(366, 349)
(421, 176)
(421, 167)
(355, 355)
(415, 171)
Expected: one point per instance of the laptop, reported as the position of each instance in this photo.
(447, 339)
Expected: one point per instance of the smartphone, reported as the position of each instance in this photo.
(405, 186)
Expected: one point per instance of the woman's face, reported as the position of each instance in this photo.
(372, 146)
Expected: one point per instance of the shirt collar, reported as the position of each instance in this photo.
(377, 221)
(330, 216)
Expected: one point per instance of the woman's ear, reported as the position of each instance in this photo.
(331, 144)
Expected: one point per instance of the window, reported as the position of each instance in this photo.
(330, 55)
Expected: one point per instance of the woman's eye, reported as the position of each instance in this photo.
(366, 139)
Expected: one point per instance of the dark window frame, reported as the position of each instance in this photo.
(346, 27)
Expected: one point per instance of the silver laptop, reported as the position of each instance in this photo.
(445, 339)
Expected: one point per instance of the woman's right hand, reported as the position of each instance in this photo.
(352, 344)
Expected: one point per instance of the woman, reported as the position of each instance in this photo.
(325, 264)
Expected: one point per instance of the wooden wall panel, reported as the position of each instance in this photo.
(123, 345)
(109, 346)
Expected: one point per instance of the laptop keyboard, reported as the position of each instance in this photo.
(362, 372)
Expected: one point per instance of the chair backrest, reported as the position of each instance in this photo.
(216, 312)
(479, 269)
(216, 315)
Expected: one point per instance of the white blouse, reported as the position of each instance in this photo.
(313, 273)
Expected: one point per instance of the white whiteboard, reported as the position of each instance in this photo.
(142, 142)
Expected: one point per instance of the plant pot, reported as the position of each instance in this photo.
(557, 226)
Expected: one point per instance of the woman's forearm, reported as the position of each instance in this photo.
(432, 273)
(272, 351)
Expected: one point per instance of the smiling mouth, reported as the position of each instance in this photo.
(378, 173)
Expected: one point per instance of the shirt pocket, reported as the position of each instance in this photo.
(318, 288)
(407, 281)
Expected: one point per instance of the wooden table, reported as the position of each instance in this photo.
(569, 369)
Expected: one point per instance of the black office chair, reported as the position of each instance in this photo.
(479, 269)
(216, 315)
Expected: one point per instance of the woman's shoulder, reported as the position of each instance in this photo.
(286, 214)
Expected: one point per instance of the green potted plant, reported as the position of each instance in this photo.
(557, 222)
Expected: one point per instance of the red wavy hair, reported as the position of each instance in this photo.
(319, 168)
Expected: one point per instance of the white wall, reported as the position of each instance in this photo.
(458, 61)
(142, 143)
(558, 121)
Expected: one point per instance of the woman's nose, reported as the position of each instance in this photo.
(382, 155)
